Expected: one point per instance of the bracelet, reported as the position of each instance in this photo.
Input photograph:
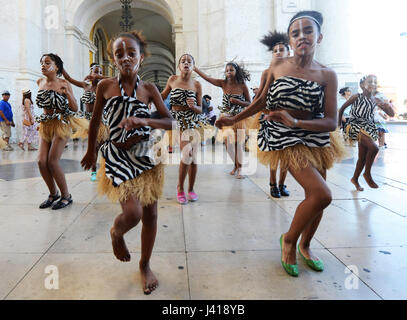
(295, 123)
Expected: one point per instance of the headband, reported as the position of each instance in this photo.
(234, 65)
(307, 17)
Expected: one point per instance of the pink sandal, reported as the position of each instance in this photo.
(192, 196)
(181, 198)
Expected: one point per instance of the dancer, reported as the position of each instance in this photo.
(30, 133)
(185, 101)
(55, 96)
(235, 98)
(278, 44)
(301, 96)
(129, 172)
(361, 128)
(88, 99)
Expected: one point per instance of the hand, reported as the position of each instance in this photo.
(90, 77)
(88, 160)
(191, 102)
(281, 116)
(8, 123)
(224, 121)
(64, 89)
(234, 101)
(12, 124)
(133, 123)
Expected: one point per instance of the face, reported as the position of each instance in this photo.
(370, 84)
(348, 93)
(48, 66)
(127, 56)
(280, 51)
(230, 72)
(186, 63)
(5, 97)
(97, 70)
(304, 36)
(255, 91)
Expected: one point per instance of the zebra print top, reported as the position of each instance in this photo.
(123, 165)
(186, 119)
(228, 107)
(88, 97)
(52, 100)
(295, 94)
(362, 119)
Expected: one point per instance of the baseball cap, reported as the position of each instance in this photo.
(5, 92)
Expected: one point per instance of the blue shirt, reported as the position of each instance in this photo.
(5, 107)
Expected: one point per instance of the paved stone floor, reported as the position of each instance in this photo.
(225, 246)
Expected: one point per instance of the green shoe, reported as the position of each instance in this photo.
(291, 269)
(93, 176)
(317, 265)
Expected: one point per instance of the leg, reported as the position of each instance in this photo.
(186, 154)
(132, 213)
(148, 234)
(231, 150)
(43, 166)
(359, 165)
(273, 174)
(283, 176)
(274, 190)
(54, 156)
(193, 169)
(309, 232)
(317, 198)
(239, 147)
(372, 151)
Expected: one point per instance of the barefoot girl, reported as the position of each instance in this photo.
(361, 128)
(88, 99)
(235, 98)
(129, 172)
(301, 96)
(185, 101)
(55, 96)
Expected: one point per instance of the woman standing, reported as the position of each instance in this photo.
(362, 128)
(301, 96)
(129, 173)
(235, 98)
(30, 133)
(186, 109)
(55, 96)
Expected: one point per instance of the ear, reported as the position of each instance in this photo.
(320, 37)
(141, 58)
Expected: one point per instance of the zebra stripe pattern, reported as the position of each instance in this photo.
(52, 100)
(123, 165)
(230, 108)
(362, 119)
(295, 94)
(186, 119)
(89, 97)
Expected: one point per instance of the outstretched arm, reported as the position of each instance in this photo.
(167, 89)
(215, 82)
(386, 107)
(80, 84)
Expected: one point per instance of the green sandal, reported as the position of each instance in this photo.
(317, 265)
(291, 269)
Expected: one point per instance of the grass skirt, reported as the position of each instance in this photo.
(80, 127)
(230, 132)
(146, 188)
(301, 156)
(205, 132)
(49, 129)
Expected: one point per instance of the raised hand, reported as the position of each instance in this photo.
(88, 160)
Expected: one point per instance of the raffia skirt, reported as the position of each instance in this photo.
(301, 156)
(205, 132)
(146, 188)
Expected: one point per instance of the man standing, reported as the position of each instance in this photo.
(6, 119)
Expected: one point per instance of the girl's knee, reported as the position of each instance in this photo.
(322, 196)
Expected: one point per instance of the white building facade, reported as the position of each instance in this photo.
(213, 31)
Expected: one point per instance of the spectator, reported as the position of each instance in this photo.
(206, 101)
(255, 91)
(6, 119)
(30, 134)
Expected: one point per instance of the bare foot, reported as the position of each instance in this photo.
(21, 145)
(239, 176)
(150, 282)
(369, 181)
(356, 184)
(289, 254)
(119, 247)
(233, 172)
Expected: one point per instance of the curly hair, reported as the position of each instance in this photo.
(242, 74)
(57, 60)
(274, 38)
(135, 35)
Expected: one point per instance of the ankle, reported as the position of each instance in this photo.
(144, 264)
